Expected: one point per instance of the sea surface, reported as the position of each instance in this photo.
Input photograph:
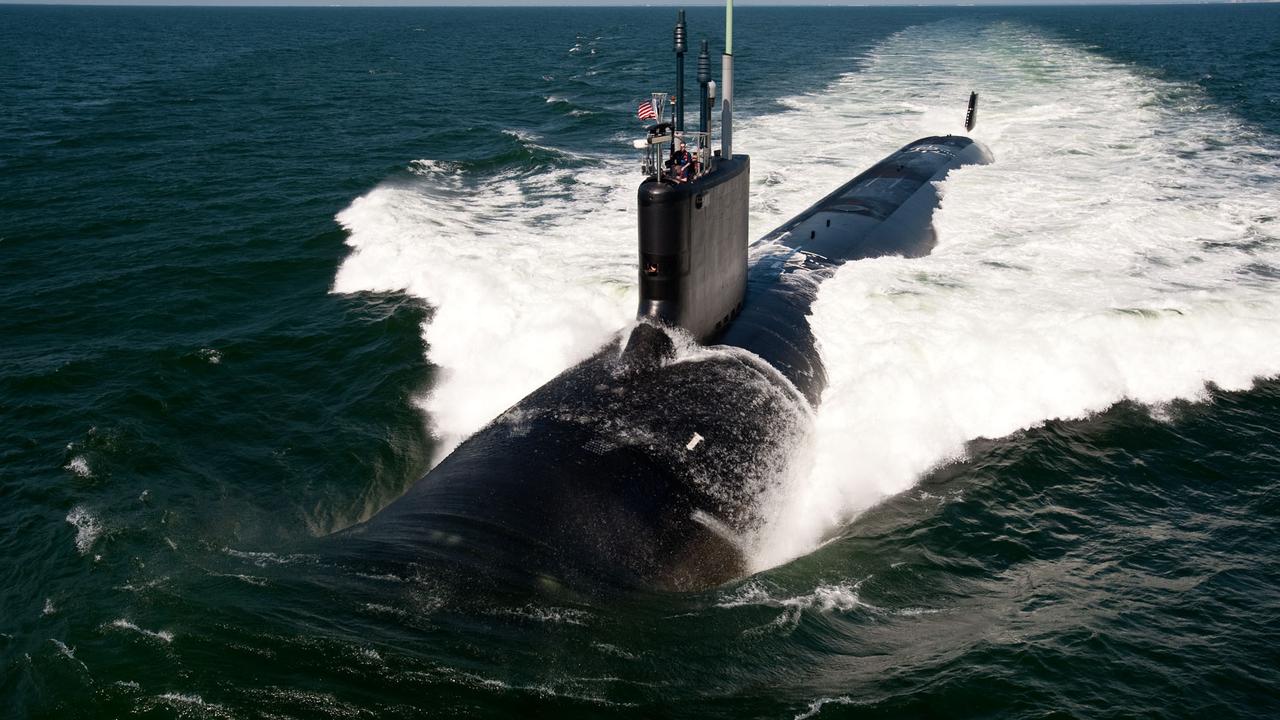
(261, 268)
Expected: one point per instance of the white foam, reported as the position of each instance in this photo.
(553, 615)
(69, 653)
(815, 707)
(79, 466)
(162, 635)
(1112, 251)
(255, 580)
(186, 705)
(525, 277)
(265, 559)
(182, 698)
(1123, 245)
(379, 609)
(615, 651)
(823, 599)
(87, 528)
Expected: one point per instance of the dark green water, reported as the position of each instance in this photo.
(197, 376)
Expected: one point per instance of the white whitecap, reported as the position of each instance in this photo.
(1105, 255)
(87, 528)
(815, 707)
(524, 278)
(162, 635)
(1115, 249)
(79, 466)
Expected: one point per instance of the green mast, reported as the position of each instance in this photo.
(726, 78)
(728, 27)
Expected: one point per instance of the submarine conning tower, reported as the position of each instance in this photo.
(693, 204)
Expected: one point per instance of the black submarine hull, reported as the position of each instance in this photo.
(636, 468)
(643, 466)
(885, 210)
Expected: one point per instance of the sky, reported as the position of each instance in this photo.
(682, 3)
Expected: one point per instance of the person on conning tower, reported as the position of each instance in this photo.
(682, 164)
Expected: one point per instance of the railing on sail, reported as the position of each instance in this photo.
(663, 140)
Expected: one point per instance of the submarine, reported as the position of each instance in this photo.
(643, 466)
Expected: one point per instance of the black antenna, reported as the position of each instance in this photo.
(704, 78)
(971, 115)
(680, 48)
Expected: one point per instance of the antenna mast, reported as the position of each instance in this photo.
(681, 46)
(726, 92)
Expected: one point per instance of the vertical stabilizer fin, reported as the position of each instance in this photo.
(971, 115)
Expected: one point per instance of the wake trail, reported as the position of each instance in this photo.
(1123, 245)
(525, 278)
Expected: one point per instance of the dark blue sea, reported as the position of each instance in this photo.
(261, 268)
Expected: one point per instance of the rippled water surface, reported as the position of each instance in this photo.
(260, 269)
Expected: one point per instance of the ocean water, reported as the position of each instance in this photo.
(260, 268)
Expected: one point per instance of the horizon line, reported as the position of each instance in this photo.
(356, 4)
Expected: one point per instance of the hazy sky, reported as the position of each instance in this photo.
(682, 3)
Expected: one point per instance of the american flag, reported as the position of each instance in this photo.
(646, 111)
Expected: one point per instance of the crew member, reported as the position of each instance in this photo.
(682, 163)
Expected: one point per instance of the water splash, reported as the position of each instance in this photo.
(1122, 246)
(1109, 253)
(87, 528)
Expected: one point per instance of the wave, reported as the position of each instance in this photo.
(1111, 252)
(527, 272)
(87, 528)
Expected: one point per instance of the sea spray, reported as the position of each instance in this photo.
(1110, 252)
